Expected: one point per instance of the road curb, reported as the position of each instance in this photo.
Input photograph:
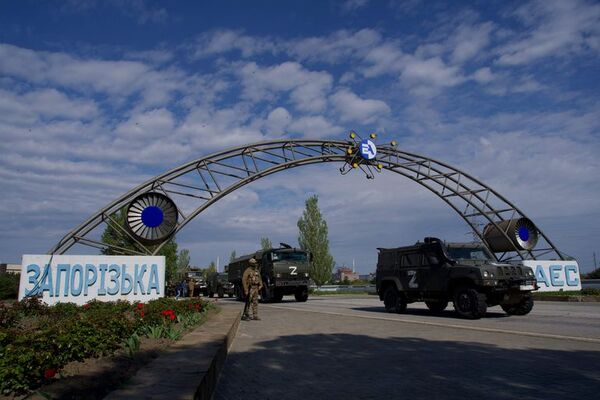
(190, 368)
(572, 299)
(209, 381)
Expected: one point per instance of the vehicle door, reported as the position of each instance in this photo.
(437, 271)
(414, 276)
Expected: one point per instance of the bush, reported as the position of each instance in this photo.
(590, 292)
(9, 286)
(37, 340)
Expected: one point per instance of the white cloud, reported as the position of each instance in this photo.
(483, 75)
(147, 125)
(555, 29)
(352, 108)
(29, 107)
(277, 121)
(224, 41)
(314, 127)
(307, 89)
(207, 129)
(469, 41)
(342, 46)
(353, 5)
(117, 78)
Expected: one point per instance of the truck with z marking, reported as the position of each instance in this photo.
(465, 274)
(283, 270)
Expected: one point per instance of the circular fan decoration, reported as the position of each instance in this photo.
(151, 217)
(526, 234)
(522, 235)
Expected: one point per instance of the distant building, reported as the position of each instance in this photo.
(343, 273)
(367, 277)
(10, 268)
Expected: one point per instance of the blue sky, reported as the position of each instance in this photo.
(98, 96)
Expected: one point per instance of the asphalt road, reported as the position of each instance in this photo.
(349, 348)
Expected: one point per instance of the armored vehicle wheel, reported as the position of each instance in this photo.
(394, 301)
(230, 295)
(301, 295)
(220, 292)
(523, 307)
(437, 306)
(469, 303)
(211, 294)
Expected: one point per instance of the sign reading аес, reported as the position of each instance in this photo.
(79, 279)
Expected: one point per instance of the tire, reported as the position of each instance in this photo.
(277, 297)
(393, 301)
(220, 292)
(301, 295)
(437, 306)
(211, 294)
(230, 295)
(469, 303)
(523, 307)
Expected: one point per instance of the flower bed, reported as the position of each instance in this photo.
(36, 340)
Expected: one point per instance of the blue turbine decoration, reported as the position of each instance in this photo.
(151, 217)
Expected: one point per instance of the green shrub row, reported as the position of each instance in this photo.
(36, 340)
(9, 286)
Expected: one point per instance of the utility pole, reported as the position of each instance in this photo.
(595, 264)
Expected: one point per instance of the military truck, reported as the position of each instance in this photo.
(284, 271)
(466, 274)
(219, 283)
(197, 277)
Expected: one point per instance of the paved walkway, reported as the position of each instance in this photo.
(297, 354)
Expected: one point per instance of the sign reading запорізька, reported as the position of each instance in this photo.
(79, 279)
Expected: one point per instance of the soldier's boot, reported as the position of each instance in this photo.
(256, 318)
(245, 318)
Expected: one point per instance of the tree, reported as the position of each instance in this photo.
(122, 242)
(313, 238)
(211, 269)
(265, 243)
(595, 274)
(183, 261)
(232, 256)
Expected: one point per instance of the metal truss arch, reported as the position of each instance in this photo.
(202, 182)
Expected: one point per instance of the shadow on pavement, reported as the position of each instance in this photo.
(448, 313)
(346, 366)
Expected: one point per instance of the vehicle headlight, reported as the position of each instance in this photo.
(486, 274)
(306, 274)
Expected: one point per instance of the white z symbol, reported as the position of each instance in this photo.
(413, 280)
(293, 271)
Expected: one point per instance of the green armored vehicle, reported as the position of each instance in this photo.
(219, 283)
(284, 271)
(463, 273)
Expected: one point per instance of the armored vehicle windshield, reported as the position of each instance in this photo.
(469, 253)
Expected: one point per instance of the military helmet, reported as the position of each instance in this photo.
(253, 261)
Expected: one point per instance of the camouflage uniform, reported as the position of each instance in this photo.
(252, 285)
(191, 286)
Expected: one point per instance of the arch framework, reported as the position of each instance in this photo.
(198, 184)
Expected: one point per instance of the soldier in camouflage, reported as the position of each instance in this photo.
(252, 286)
